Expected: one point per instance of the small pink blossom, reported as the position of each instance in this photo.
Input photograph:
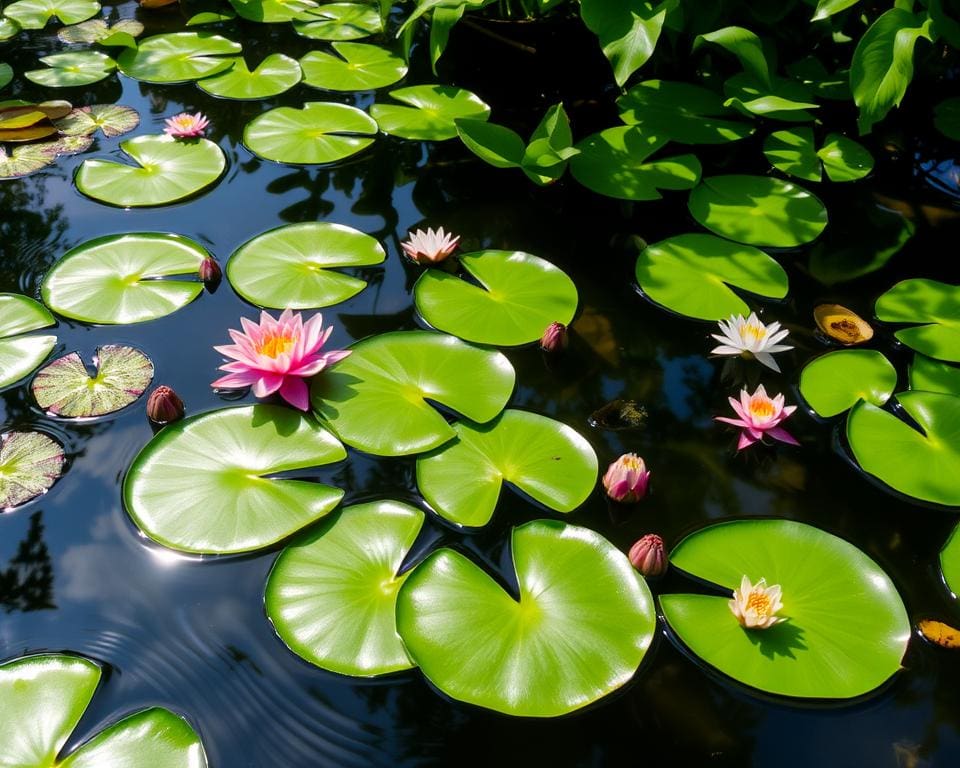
(186, 126)
(626, 479)
(555, 338)
(648, 556)
(759, 415)
(430, 247)
(277, 355)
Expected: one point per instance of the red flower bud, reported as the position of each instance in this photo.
(210, 273)
(164, 406)
(648, 555)
(554, 338)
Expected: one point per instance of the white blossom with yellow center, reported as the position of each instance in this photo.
(750, 338)
(756, 605)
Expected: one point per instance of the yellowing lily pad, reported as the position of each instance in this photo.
(30, 462)
(111, 119)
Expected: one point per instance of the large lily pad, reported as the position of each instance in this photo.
(580, 629)
(178, 57)
(355, 67)
(431, 113)
(518, 297)
(693, 275)
(794, 152)
(294, 266)
(332, 597)
(836, 381)
(545, 459)
(72, 68)
(34, 14)
(42, 699)
(122, 279)
(111, 119)
(376, 399)
(203, 484)
(19, 353)
(30, 462)
(318, 133)
(931, 375)
(925, 464)
(274, 75)
(340, 21)
(950, 561)
(166, 170)
(934, 307)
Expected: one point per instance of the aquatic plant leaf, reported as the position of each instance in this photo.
(14, 116)
(758, 210)
(332, 596)
(692, 275)
(827, 8)
(273, 11)
(274, 75)
(793, 152)
(946, 118)
(111, 119)
(846, 629)
(934, 307)
(30, 133)
(746, 46)
(544, 458)
(166, 170)
(580, 629)
(340, 21)
(65, 388)
(123, 279)
(210, 17)
(295, 265)
(178, 57)
(355, 67)
(950, 562)
(518, 296)
(203, 484)
(836, 381)
(21, 354)
(376, 399)
(63, 145)
(34, 14)
(97, 30)
(67, 70)
(22, 163)
(30, 462)
(431, 113)
(8, 28)
(320, 132)
(811, 73)
(786, 99)
(923, 465)
(931, 375)
(844, 159)
(6, 74)
(627, 31)
(939, 633)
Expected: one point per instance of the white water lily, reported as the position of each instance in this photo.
(751, 338)
(756, 605)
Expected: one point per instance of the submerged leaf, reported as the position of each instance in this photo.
(30, 462)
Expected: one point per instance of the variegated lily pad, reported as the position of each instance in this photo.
(112, 119)
(30, 462)
(96, 30)
(21, 162)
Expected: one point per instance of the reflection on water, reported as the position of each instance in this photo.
(27, 582)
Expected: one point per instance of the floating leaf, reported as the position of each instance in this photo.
(274, 75)
(204, 484)
(844, 159)
(846, 629)
(933, 376)
(72, 69)
(836, 381)
(376, 399)
(112, 119)
(20, 354)
(950, 562)
(97, 30)
(22, 162)
(793, 152)
(936, 305)
(210, 17)
(946, 117)
(6, 74)
(273, 11)
(332, 596)
(786, 100)
(320, 132)
(939, 633)
(746, 46)
(581, 626)
(340, 21)
(431, 113)
(8, 28)
(842, 324)
(178, 57)
(31, 133)
(30, 462)
(293, 266)
(355, 67)
(34, 14)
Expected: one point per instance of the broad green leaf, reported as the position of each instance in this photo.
(210, 17)
(274, 11)
(34, 14)
(204, 484)
(836, 381)
(71, 69)
(317, 133)
(844, 159)
(827, 8)
(746, 46)
(178, 57)
(442, 22)
(8, 28)
(332, 596)
(945, 25)
(946, 117)
(20, 354)
(294, 265)
(579, 630)
(846, 629)
(111, 119)
(793, 152)
(340, 21)
(933, 307)
(274, 75)
(430, 114)
(950, 562)
(785, 99)
(355, 67)
(550, 147)
(6, 74)
(628, 31)
(97, 30)
(931, 375)
(495, 144)
(30, 462)
(376, 399)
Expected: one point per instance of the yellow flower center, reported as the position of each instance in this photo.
(273, 345)
(759, 603)
(629, 462)
(755, 332)
(762, 408)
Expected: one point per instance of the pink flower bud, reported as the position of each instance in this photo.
(626, 479)
(164, 406)
(210, 273)
(648, 555)
(555, 338)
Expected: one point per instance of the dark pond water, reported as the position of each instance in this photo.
(192, 635)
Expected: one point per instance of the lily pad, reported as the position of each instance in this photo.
(294, 266)
(693, 274)
(793, 151)
(123, 279)
(355, 67)
(204, 484)
(42, 699)
(111, 119)
(935, 309)
(758, 210)
(273, 11)
(6, 74)
(580, 629)
(933, 376)
(30, 462)
(545, 459)
(22, 161)
(950, 561)
(846, 629)
(166, 170)
(431, 113)
(376, 399)
(97, 30)
(178, 57)
(783, 99)
(836, 381)
(274, 75)
(320, 132)
(8, 28)
(210, 17)
(518, 296)
(65, 388)
(19, 353)
(66, 70)
(925, 464)
(340, 21)
(844, 159)
(332, 597)
(34, 14)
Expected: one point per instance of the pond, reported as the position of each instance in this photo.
(82, 567)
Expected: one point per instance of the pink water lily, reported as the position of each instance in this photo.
(430, 247)
(277, 355)
(186, 126)
(760, 415)
(626, 479)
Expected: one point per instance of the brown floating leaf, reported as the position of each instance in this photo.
(842, 324)
(20, 117)
(939, 633)
(30, 462)
(31, 133)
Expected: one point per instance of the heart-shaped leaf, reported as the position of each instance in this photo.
(355, 67)
(111, 119)
(340, 21)
(318, 133)
(20, 354)
(178, 57)
(274, 75)
(34, 14)
(793, 151)
(72, 68)
(30, 462)
(836, 381)
(934, 307)
(930, 375)
(431, 113)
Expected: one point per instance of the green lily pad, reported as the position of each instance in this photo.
(123, 279)
(66, 70)
(340, 21)
(933, 376)
(111, 119)
(294, 266)
(332, 597)
(274, 75)
(614, 163)
(793, 151)
(580, 629)
(844, 159)
(203, 484)
(923, 465)
(178, 57)
(950, 562)
(19, 353)
(8, 28)
(846, 629)
(692, 275)
(65, 388)
(273, 11)
(320, 132)
(30, 462)
(210, 17)
(376, 399)
(42, 699)
(98, 30)
(166, 170)
(34, 14)
(934, 306)
(758, 210)
(6, 74)
(518, 296)
(836, 381)
(430, 114)
(545, 459)
(355, 67)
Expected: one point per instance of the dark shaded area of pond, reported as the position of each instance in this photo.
(192, 635)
